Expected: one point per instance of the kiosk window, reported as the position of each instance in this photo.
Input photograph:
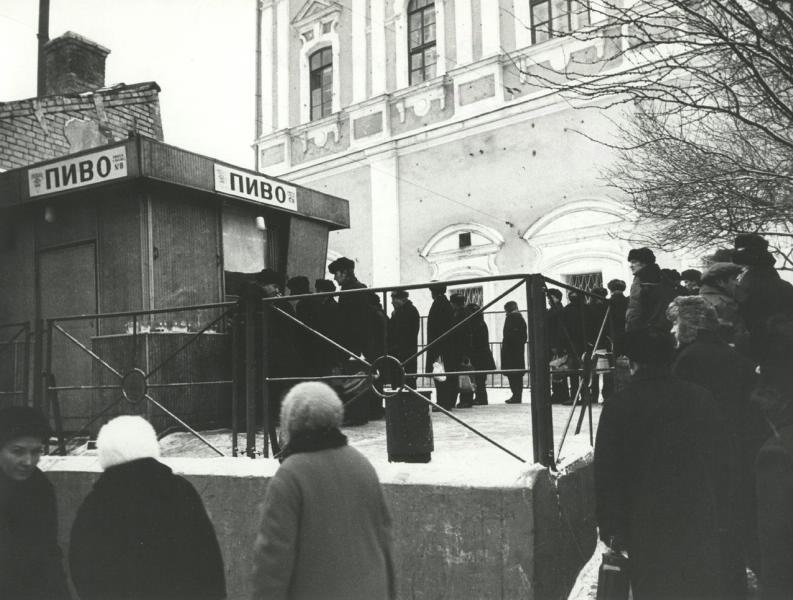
(244, 244)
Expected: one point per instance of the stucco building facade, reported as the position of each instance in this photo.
(454, 163)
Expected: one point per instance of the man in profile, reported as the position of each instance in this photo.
(513, 347)
(403, 332)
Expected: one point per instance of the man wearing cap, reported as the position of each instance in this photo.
(403, 332)
(761, 293)
(650, 293)
(353, 308)
(31, 565)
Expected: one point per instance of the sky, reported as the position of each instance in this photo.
(200, 52)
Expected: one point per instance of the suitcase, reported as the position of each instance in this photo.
(613, 580)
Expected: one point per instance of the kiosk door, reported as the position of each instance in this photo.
(67, 286)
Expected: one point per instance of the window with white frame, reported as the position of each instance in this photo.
(321, 83)
(421, 40)
(553, 18)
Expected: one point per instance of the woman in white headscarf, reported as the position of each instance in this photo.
(325, 528)
(142, 532)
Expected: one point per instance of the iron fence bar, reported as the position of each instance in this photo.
(188, 383)
(459, 325)
(570, 417)
(235, 392)
(356, 376)
(74, 388)
(85, 427)
(183, 424)
(539, 373)
(186, 344)
(13, 393)
(86, 350)
(463, 423)
(153, 311)
(319, 335)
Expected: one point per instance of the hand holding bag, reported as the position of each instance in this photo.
(438, 372)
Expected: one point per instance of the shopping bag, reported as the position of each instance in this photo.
(613, 580)
(438, 372)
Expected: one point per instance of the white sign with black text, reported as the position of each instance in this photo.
(81, 171)
(254, 187)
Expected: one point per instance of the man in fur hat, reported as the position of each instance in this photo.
(30, 560)
(707, 360)
(650, 293)
(760, 293)
(354, 308)
(719, 282)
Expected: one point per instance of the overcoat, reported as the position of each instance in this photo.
(439, 320)
(31, 565)
(403, 333)
(481, 355)
(649, 298)
(658, 479)
(143, 533)
(325, 531)
(356, 322)
(775, 513)
(513, 342)
(618, 305)
(761, 294)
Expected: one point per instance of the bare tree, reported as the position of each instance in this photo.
(706, 140)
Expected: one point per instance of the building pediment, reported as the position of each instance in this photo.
(316, 10)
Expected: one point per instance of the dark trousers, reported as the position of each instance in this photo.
(480, 381)
(516, 385)
(446, 392)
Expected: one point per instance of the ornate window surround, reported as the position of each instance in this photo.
(402, 49)
(310, 23)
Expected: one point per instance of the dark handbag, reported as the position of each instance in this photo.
(613, 581)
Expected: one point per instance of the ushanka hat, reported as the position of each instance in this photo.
(341, 264)
(22, 421)
(266, 276)
(751, 249)
(643, 255)
(692, 314)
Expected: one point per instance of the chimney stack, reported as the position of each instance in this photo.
(73, 64)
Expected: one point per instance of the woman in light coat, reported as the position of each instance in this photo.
(325, 529)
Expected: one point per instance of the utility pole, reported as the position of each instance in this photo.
(44, 37)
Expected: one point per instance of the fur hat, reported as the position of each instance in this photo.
(751, 249)
(691, 275)
(310, 405)
(650, 347)
(616, 285)
(643, 255)
(437, 288)
(324, 285)
(400, 294)
(341, 264)
(266, 276)
(720, 271)
(22, 421)
(298, 285)
(124, 439)
(692, 314)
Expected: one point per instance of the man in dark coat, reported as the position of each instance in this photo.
(353, 308)
(439, 320)
(481, 355)
(461, 347)
(403, 332)
(575, 318)
(650, 293)
(618, 306)
(513, 348)
(774, 466)
(30, 559)
(761, 292)
(658, 461)
(706, 360)
(142, 532)
(329, 358)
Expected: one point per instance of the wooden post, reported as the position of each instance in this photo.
(539, 372)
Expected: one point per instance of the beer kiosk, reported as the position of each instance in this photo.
(142, 225)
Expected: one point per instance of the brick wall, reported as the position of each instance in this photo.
(36, 129)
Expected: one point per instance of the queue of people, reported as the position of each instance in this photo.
(693, 457)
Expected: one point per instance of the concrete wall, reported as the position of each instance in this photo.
(523, 534)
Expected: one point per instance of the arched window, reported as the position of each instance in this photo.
(421, 40)
(321, 83)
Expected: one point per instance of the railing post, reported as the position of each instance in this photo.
(539, 372)
(236, 380)
(263, 372)
(250, 374)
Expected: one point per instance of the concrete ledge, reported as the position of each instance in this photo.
(475, 533)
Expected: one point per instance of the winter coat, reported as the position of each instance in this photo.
(143, 533)
(356, 324)
(325, 531)
(439, 320)
(618, 306)
(649, 298)
(31, 565)
(403, 333)
(596, 314)
(555, 335)
(481, 355)
(658, 480)
(375, 346)
(761, 294)
(774, 470)
(731, 326)
(709, 362)
(329, 324)
(575, 319)
(513, 342)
